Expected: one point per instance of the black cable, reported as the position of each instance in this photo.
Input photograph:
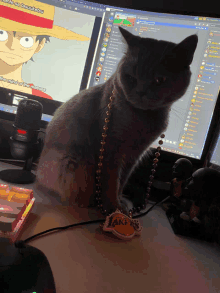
(91, 222)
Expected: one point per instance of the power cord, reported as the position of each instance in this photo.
(91, 222)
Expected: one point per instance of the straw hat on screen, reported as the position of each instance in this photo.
(34, 18)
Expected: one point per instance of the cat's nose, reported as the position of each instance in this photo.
(141, 88)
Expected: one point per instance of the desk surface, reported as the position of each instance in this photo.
(84, 259)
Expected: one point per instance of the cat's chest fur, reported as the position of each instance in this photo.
(135, 129)
(130, 131)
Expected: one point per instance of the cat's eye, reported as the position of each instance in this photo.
(131, 78)
(160, 79)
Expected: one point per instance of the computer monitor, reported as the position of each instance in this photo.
(83, 50)
(213, 154)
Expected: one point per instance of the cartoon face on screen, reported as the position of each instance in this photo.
(17, 47)
(24, 30)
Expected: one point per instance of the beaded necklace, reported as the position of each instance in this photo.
(121, 225)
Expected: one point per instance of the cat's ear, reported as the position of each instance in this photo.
(129, 38)
(182, 54)
(186, 48)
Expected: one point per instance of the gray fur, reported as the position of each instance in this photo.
(140, 113)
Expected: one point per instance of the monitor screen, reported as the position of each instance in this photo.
(215, 157)
(50, 50)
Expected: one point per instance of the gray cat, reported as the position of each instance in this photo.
(150, 77)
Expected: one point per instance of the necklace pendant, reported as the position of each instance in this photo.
(122, 226)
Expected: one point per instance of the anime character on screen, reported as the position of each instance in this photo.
(25, 27)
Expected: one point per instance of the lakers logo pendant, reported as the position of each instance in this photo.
(122, 226)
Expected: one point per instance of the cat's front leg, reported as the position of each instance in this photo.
(126, 204)
(111, 199)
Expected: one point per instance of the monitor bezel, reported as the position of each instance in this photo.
(213, 142)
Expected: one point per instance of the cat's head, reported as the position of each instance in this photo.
(154, 74)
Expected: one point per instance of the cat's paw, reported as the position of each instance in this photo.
(125, 205)
(122, 204)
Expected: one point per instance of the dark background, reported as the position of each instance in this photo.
(207, 7)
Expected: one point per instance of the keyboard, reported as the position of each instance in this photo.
(15, 206)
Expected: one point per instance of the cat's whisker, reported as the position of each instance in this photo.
(178, 109)
(99, 112)
(178, 115)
